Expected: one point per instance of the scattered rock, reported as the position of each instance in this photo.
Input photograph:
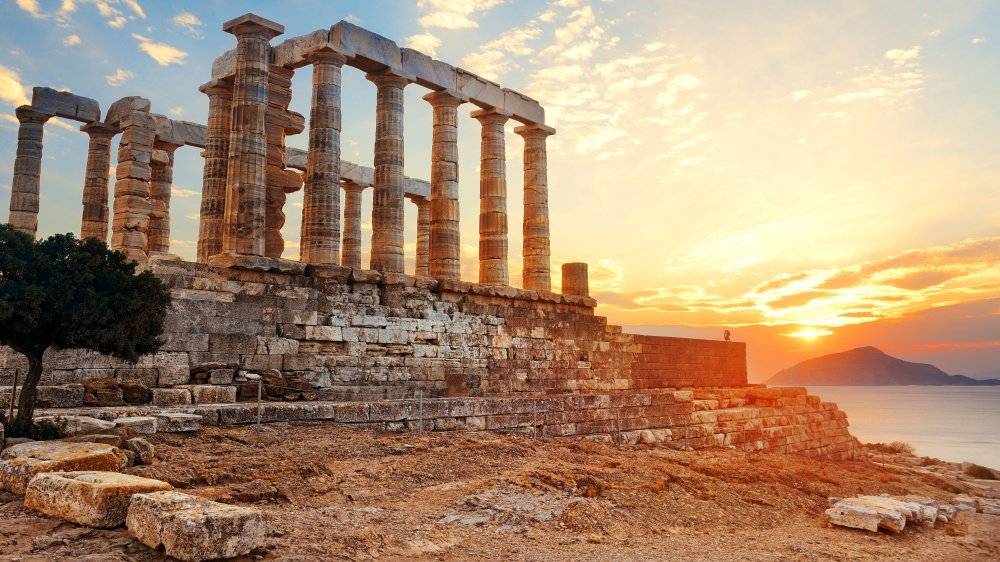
(144, 450)
(94, 499)
(18, 464)
(143, 425)
(193, 529)
(76, 425)
(874, 512)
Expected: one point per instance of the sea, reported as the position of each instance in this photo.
(952, 423)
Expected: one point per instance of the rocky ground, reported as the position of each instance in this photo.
(335, 493)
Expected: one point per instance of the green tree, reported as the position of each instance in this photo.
(69, 293)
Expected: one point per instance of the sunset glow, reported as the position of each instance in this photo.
(840, 186)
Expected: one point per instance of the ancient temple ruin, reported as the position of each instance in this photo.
(360, 345)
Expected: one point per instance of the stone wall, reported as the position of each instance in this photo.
(346, 334)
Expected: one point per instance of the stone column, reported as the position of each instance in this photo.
(492, 199)
(423, 234)
(246, 185)
(213, 187)
(321, 199)
(445, 241)
(27, 170)
(132, 178)
(352, 225)
(574, 279)
(161, 181)
(387, 212)
(95, 182)
(536, 250)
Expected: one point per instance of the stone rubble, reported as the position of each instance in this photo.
(193, 529)
(91, 498)
(892, 513)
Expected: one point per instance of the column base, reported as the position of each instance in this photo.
(257, 263)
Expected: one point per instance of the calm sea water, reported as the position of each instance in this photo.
(953, 423)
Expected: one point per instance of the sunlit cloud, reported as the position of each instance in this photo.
(11, 89)
(886, 84)
(453, 14)
(190, 22)
(31, 6)
(184, 193)
(162, 53)
(978, 40)
(71, 41)
(119, 77)
(424, 42)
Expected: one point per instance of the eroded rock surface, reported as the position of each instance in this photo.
(91, 498)
(18, 464)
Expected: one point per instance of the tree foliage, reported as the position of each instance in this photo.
(68, 293)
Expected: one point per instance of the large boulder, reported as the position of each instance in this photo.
(192, 528)
(20, 463)
(881, 512)
(91, 498)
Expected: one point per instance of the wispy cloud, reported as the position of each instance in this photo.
(176, 111)
(71, 41)
(889, 84)
(162, 53)
(978, 40)
(11, 89)
(31, 6)
(190, 22)
(184, 193)
(453, 14)
(119, 77)
(426, 43)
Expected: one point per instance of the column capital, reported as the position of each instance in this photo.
(252, 24)
(30, 114)
(390, 77)
(417, 199)
(327, 54)
(349, 185)
(534, 130)
(490, 115)
(98, 129)
(445, 98)
(166, 146)
(218, 87)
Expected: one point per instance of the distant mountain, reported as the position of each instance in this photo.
(868, 366)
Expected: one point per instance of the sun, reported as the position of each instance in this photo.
(809, 333)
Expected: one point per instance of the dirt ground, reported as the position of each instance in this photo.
(334, 493)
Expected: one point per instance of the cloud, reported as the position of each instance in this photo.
(184, 193)
(176, 111)
(351, 18)
(190, 22)
(453, 14)
(30, 6)
(119, 77)
(71, 41)
(978, 40)
(886, 84)
(424, 42)
(162, 53)
(495, 57)
(902, 57)
(933, 34)
(11, 89)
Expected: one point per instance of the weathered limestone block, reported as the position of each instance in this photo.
(125, 106)
(194, 529)
(20, 463)
(211, 394)
(91, 498)
(171, 396)
(66, 104)
(143, 425)
(874, 512)
(574, 280)
(370, 51)
(176, 423)
(428, 72)
(144, 451)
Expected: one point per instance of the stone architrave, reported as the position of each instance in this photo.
(24, 189)
(574, 279)
(445, 249)
(130, 225)
(536, 253)
(246, 185)
(423, 235)
(161, 182)
(320, 239)
(387, 211)
(492, 199)
(352, 225)
(95, 183)
(213, 187)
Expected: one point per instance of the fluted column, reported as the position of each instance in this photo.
(352, 225)
(387, 211)
(130, 223)
(213, 186)
(246, 186)
(536, 251)
(320, 236)
(160, 183)
(574, 279)
(95, 183)
(423, 234)
(492, 199)
(445, 246)
(27, 170)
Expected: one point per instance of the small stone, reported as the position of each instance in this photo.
(91, 498)
(18, 464)
(144, 451)
(192, 528)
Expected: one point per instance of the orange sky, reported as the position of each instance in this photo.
(814, 168)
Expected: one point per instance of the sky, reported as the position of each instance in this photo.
(811, 175)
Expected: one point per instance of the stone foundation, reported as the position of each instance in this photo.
(337, 333)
